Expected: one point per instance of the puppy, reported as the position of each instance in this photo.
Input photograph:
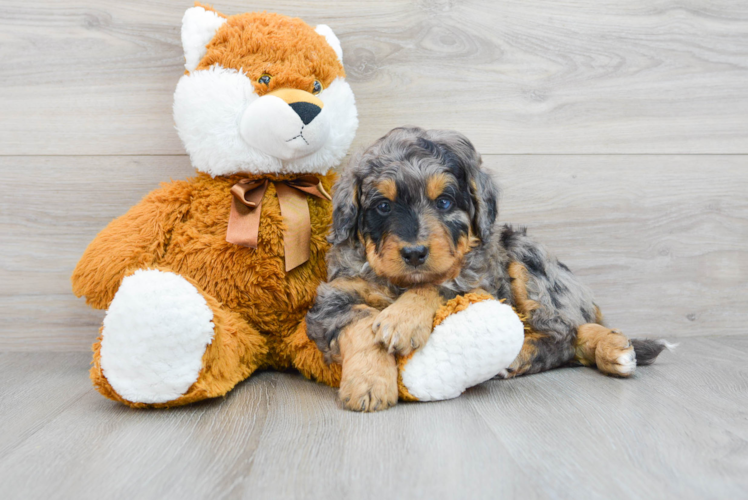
(414, 224)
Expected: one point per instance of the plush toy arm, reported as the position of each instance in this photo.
(475, 338)
(135, 240)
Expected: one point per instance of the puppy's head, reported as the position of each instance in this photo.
(418, 201)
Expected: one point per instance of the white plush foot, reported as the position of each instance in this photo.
(155, 334)
(467, 348)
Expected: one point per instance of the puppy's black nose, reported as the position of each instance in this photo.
(306, 111)
(415, 256)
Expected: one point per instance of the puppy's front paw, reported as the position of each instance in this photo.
(370, 392)
(401, 329)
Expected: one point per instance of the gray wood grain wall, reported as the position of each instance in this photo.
(617, 130)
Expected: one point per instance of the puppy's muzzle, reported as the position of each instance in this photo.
(415, 255)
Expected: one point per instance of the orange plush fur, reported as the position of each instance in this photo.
(257, 305)
(273, 44)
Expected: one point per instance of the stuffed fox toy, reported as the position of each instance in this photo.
(208, 279)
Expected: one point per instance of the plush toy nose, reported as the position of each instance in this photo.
(415, 256)
(305, 104)
(306, 111)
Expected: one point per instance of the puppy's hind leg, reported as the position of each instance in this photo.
(540, 352)
(610, 350)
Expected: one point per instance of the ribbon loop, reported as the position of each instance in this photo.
(310, 185)
(246, 208)
(249, 193)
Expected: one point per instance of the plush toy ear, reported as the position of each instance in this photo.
(198, 28)
(332, 40)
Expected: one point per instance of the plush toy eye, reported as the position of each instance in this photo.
(264, 79)
(317, 87)
(384, 207)
(443, 204)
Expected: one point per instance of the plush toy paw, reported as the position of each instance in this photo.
(475, 338)
(154, 336)
(403, 329)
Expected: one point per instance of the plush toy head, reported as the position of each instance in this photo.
(263, 93)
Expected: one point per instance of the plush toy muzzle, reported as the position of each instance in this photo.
(286, 123)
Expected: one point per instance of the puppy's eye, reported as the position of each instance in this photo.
(317, 87)
(444, 204)
(384, 207)
(264, 79)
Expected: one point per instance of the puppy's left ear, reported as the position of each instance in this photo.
(484, 195)
(485, 198)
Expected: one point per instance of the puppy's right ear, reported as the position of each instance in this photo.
(345, 205)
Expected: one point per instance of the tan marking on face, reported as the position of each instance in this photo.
(467, 242)
(387, 262)
(442, 252)
(443, 263)
(436, 184)
(387, 188)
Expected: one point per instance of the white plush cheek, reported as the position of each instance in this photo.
(317, 132)
(341, 115)
(208, 105)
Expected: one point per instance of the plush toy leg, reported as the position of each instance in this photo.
(308, 359)
(474, 339)
(165, 342)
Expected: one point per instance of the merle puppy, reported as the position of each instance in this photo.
(414, 224)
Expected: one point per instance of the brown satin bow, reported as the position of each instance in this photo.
(246, 205)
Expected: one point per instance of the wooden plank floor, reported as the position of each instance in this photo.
(676, 430)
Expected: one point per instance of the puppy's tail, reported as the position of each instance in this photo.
(647, 350)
